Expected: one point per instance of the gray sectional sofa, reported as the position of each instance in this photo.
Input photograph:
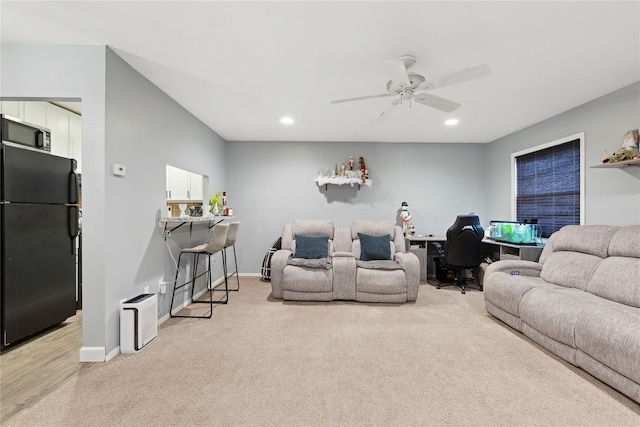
(365, 262)
(581, 300)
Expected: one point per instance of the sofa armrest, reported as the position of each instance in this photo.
(278, 262)
(342, 239)
(342, 255)
(411, 264)
(514, 267)
(344, 276)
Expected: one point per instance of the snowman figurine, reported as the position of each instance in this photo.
(405, 216)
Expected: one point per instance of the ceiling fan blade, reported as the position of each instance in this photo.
(360, 98)
(384, 116)
(398, 72)
(457, 77)
(436, 102)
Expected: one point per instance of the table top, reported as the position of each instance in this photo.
(485, 240)
(429, 238)
(512, 245)
(205, 218)
(174, 222)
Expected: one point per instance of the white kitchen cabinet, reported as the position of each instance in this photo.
(195, 186)
(59, 126)
(75, 139)
(12, 108)
(168, 182)
(178, 184)
(65, 125)
(183, 185)
(36, 114)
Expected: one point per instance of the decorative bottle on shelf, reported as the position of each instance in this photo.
(224, 203)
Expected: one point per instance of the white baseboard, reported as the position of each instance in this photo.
(163, 319)
(186, 303)
(113, 353)
(92, 354)
(97, 354)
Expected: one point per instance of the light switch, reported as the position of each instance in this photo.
(118, 170)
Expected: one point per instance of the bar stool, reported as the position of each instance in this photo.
(232, 236)
(216, 244)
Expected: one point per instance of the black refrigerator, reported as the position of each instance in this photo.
(39, 214)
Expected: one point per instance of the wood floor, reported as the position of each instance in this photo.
(31, 370)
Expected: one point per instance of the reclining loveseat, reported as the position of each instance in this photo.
(365, 262)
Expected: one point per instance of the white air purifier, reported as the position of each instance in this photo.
(138, 322)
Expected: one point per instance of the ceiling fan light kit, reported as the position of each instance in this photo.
(411, 86)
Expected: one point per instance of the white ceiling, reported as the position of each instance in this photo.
(240, 66)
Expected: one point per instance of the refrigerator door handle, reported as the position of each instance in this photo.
(74, 224)
(73, 187)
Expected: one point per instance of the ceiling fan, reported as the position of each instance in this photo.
(413, 87)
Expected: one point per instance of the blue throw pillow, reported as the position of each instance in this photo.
(374, 247)
(311, 247)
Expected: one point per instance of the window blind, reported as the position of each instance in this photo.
(548, 186)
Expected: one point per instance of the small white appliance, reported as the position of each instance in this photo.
(138, 322)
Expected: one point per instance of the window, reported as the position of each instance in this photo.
(548, 184)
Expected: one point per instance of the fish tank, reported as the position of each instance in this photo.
(517, 233)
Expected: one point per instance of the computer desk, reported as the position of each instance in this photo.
(501, 250)
(490, 248)
(421, 250)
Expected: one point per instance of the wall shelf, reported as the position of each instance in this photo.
(622, 164)
(322, 180)
(170, 224)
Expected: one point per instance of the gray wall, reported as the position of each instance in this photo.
(271, 183)
(612, 195)
(145, 131)
(75, 72)
(129, 121)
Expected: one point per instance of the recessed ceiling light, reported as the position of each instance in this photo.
(451, 122)
(286, 120)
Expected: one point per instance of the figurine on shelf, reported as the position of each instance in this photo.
(604, 157)
(351, 163)
(630, 140)
(365, 175)
(361, 161)
(335, 171)
(622, 155)
(343, 170)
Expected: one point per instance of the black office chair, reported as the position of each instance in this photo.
(463, 250)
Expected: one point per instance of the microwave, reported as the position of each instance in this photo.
(15, 131)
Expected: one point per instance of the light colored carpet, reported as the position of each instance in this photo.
(259, 361)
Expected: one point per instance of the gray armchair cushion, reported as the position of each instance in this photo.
(311, 247)
(617, 278)
(313, 227)
(381, 264)
(593, 240)
(374, 247)
(310, 263)
(626, 242)
(570, 269)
